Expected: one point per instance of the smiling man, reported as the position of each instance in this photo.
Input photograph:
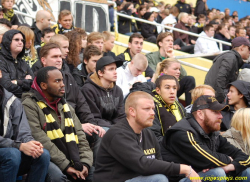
(196, 141)
(54, 123)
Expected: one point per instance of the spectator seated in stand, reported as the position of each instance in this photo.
(148, 31)
(222, 34)
(65, 22)
(17, 76)
(239, 134)
(9, 14)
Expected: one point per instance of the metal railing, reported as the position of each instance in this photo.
(177, 57)
(175, 29)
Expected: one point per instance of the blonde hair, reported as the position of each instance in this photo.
(241, 122)
(29, 35)
(3, 1)
(199, 91)
(64, 13)
(181, 15)
(93, 37)
(107, 35)
(133, 98)
(57, 38)
(165, 64)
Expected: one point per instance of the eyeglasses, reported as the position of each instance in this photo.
(17, 40)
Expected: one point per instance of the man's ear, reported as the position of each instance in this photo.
(158, 90)
(132, 111)
(129, 45)
(100, 73)
(85, 61)
(160, 44)
(43, 62)
(43, 86)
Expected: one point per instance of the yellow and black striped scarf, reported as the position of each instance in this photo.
(66, 142)
(8, 14)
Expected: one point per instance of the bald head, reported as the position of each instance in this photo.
(140, 60)
(43, 18)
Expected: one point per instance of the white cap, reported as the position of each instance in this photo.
(168, 21)
(154, 9)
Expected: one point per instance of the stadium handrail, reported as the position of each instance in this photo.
(175, 29)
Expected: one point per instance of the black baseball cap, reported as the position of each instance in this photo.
(106, 60)
(238, 41)
(208, 102)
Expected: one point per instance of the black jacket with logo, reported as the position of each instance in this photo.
(187, 143)
(106, 104)
(123, 155)
(183, 7)
(14, 69)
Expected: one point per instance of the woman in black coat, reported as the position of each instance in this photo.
(148, 31)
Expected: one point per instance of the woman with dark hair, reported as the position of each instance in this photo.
(140, 13)
(148, 31)
(75, 46)
(127, 26)
(223, 34)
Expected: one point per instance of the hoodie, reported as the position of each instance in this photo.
(106, 104)
(244, 88)
(14, 69)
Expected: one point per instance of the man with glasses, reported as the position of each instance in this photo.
(16, 73)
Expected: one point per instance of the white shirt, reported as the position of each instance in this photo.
(125, 79)
(205, 46)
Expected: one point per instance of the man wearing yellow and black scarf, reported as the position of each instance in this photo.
(53, 122)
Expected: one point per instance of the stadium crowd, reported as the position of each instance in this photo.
(73, 110)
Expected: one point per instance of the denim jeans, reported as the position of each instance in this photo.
(13, 162)
(151, 178)
(56, 175)
(219, 175)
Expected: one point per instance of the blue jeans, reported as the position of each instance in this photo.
(219, 175)
(56, 175)
(151, 178)
(13, 162)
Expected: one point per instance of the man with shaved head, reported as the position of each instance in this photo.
(42, 21)
(131, 72)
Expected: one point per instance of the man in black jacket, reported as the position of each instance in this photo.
(196, 141)
(183, 7)
(130, 152)
(225, 68)
(43, 18)
(104, 97)
(17, 75)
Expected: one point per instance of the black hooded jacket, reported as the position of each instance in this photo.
(106, 104)
(14, 69)
(244, 88)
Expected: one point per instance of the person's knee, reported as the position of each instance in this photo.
(246, 173)
(218, 172)
(13, 157)
(161, 178)
(45, 157)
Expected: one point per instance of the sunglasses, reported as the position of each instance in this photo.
(17, 40)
